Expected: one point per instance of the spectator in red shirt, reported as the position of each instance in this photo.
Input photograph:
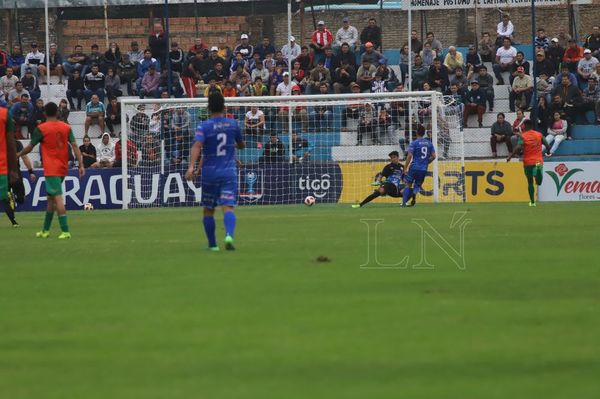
(305, 59)
(229, 90)
(573, 55)
(321, 38)
(3, 60)
(132, 154)
(198, 47)
(150, 151)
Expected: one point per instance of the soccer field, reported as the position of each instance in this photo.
(134, 307)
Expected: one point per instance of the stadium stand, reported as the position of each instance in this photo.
(208, 66)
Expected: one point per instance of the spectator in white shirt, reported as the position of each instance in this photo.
(35, 60)
(346, 34)
(15, 94)
(586, 67)
(260, 72)
(505, 28)
(505, 58)
(105, 153)
(290, 53)
(8, 82)
(254, 123)
(284, 88)
(135, 54)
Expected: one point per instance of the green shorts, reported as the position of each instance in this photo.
(534, 170)
(3, 187)
(54, 185)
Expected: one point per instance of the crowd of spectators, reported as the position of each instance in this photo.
(347, 61)
(566, 86)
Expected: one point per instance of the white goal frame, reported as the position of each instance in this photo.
(433, 96)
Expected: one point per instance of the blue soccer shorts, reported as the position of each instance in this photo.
(415, 176)
(219, 191)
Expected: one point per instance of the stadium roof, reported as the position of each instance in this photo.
(99, 3)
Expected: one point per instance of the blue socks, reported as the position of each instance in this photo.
(405, 196)
(229, 219)
(209, 229)
(408, 193)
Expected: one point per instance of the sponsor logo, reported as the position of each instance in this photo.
(318, 187)
(252, 185)
(103, 189)
(565, 183)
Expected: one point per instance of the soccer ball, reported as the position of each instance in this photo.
(88, 207)
(309, 201)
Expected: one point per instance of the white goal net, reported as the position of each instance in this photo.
(327, 146)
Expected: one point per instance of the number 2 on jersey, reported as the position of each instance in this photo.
(221, 147)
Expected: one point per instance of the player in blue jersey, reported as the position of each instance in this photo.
(420, 154)
(390, 181)
(216, 140)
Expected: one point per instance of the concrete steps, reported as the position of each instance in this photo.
(490, 117)
(579, 147)
(582, 132)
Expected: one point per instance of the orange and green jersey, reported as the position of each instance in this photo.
(6, 126)
(532, 141)
(54, 138)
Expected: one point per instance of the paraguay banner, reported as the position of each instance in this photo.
(262, 184)
(571, 181)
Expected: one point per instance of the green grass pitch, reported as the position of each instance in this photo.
(133, 307)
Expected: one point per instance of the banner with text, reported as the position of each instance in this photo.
(484, 182)
(455, 4)
(571, 181)
(262, 184)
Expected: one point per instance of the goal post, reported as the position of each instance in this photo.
(330, 146)
(434, 139)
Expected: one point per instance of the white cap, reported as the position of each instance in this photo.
(244, 36)
(292, 39)
(587, 51)
(214, 48)
(286, 74)
(555, 40)
(321, 23)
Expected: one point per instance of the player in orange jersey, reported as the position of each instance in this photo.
(54, 137)
(8, 157)
(531, 142)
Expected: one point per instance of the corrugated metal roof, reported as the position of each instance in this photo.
(99, 3)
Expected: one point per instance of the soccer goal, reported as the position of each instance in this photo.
(327, 146)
